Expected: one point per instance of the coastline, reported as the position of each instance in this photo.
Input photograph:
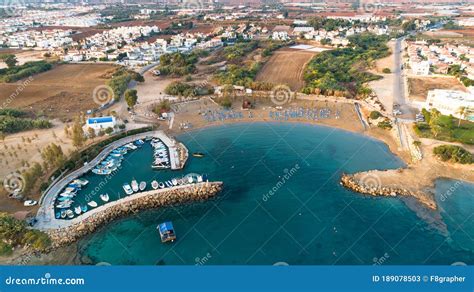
(417, 179)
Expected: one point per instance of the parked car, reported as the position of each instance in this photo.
(29, 203)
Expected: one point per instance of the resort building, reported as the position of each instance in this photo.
(101, 123)
(451, 102)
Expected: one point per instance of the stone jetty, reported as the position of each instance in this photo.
(376, 188)
(129, 205)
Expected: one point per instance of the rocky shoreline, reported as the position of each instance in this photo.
(152, 200)
(375, 188)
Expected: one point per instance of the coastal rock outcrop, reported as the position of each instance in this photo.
(372, 188)
(133, 204)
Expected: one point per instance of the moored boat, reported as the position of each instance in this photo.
(142, 186)
(104, 197)
(134, 186)
(161, 185)
(84, 208)
(77, 210)
(198, 154)
(70, 214)
(92, 204)
(154, 184)
(63, 214)
(128, 190)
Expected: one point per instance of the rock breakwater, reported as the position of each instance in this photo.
(129, 205)
(370, 184)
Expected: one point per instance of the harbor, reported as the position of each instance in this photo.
(66, 198)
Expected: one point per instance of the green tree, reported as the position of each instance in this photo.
(78, 138)
(131, 97)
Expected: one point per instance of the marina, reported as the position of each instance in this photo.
(71, 197)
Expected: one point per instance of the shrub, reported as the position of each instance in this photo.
(375, 115)
(453, 153)
(386, 71)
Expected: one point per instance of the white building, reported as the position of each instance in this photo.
(420, 68)
(101, 123)
(449, 102)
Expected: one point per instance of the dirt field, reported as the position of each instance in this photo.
(286, 66)
(59, 93)
(418, 87)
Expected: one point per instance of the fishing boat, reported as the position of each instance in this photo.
(67, 195)
(84, 208)
(63, 214)
(104, 197)
(65, 199)
(78, 210)
(154, 184)
(142, 186)
(166, 231)
(63, 205)
(92, 204)
(134, 185)
(70, 214)
(70, 190)
(101, 171)
(198, 154)
(82, 182)
(161, 185)
(128, 190)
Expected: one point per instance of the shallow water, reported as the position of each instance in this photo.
(282, 202)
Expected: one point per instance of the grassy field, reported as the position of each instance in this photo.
(59, 93)
(286, 66)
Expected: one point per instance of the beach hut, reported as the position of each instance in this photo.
(166, 232)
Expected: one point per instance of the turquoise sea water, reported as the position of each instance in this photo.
(282, 203)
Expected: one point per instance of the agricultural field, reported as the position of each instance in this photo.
(286, 66)
(418, 87)
(60, 93)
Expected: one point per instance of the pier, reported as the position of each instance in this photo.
(46, 215)
(63, 232)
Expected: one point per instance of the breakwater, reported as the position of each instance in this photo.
(376, 188)
(129, 205)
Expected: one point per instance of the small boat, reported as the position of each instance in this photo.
(174, 182)
(104, 197)
(128, 190)
(166, 231)
(190, 179)
(92, 204)
(84, 208)
(63, 214)
(70, 214)
(101, 171)
(142, 186)
(65, 199)
(198, 154)
(134, 185)
(116, 154)
(67, 195)
(199, 179)
(63, 205)
(78, 210)
(154, 184)
(58, 215)
(82, 182)
(161, 185)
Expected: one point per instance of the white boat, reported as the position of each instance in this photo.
(104, 197)
(190, 179)
(67, 195)
(134, 185)
(199, 178)
(128, 190)
(63, 205)
(82, 182)
(70, 214)
(78, 210)
(154, 184)
(174, 182)
(142, 186)
(92, 204)
(161, 185)
(63, 214)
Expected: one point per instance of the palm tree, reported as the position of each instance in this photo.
(462, 111)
